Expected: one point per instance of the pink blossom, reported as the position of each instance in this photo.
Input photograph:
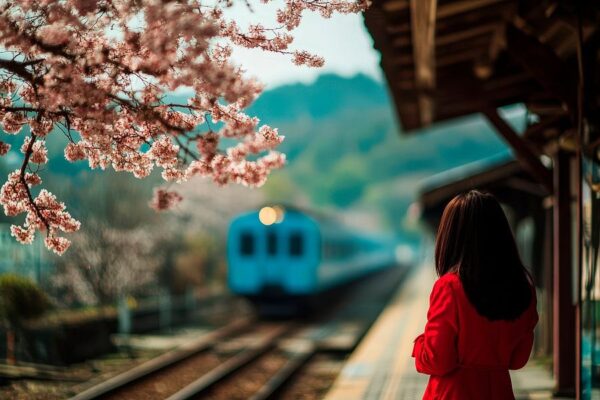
(54, 35)
(173, 174)
(13, 195)
(198, 168)
(4, 148)
(237, 153)
(57, 244)
(208, 143)
(310, 60)
(74, 152)
(164, 199)
(40, 128)
(273, 160)
(54, 213)
(164, 152)
(7, 86)
(110, 94)
(32, 179)
(23, 235)
(85, 6)
(13, 122)
(39, 152)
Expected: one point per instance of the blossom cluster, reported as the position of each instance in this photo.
(44, 212)
(99, 73)
(164, 199)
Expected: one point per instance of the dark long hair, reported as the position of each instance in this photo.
(474, 240)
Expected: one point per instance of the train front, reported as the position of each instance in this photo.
(273, 254)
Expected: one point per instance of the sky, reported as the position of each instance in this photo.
(342, 40)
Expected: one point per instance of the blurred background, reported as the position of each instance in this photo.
(345, 158)
(358, 154)
(345, 154)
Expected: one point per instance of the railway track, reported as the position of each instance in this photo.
(243, 379)
(200, 366)
(247, 359)
(241, 358)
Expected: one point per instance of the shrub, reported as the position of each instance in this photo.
(20, 299)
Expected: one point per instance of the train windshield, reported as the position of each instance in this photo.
(247, 244)
(271, 243)
(296, 244)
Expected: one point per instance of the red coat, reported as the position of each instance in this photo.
(468, 356)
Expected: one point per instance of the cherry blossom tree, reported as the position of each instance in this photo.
(105, 263)
(99, 72)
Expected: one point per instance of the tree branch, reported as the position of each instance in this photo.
(22, 172)
(18, 68)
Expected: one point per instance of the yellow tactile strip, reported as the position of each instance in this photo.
(381, 367)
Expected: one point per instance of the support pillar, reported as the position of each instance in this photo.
(563, 306)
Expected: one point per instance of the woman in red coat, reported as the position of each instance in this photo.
(482, 308)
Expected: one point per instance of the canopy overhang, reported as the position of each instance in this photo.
(448, 58)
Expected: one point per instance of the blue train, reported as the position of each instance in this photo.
(277, 254)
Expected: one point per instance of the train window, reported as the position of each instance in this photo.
(271, 243)
(246, 244)
(296, 244)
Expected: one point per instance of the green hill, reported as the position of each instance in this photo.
(328, 95)
(345, 148)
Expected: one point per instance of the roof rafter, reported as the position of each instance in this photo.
(524, 152)
(542, 63)
(464, 6)
(423, 17)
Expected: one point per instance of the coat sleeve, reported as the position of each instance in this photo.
(435, 351)
(522, 351)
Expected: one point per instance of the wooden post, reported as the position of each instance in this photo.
(563, 307)
(10, 346)
(165, 309)
(548, 282)
(124, 316)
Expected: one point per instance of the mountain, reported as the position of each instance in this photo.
(328, 95)
(346, 150)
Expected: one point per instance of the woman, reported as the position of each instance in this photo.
(482, 308)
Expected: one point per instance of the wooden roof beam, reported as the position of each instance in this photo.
(484, 68)
(543, 64)
(459, 7)
(395, 6)
(459, 57)
(398, 29)
(401, 41)
(524, 152)
(538, 131)
(423, 16)
(447, 10)
(458, 36)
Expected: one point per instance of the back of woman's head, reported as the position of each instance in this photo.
(475, 240)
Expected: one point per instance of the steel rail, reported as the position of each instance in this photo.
(270, 390)
(230, 366)
(163, 361)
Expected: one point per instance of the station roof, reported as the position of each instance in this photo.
(500, 174)
(468, 175)
(448, 58)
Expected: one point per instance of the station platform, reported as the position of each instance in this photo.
(381, 367)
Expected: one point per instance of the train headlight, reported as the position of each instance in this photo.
(279, 211)
(271, 215)
(267, 215)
